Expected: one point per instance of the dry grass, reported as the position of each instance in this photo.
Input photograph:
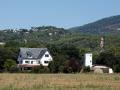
(59, 81)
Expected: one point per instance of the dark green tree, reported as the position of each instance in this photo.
(9, 63)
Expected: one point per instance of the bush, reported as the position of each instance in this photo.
(40, 69)
(86, 69)
(61, 69)
(116, 68)
(14, 69)
(35, 69)
(9, 63)
(69, 70)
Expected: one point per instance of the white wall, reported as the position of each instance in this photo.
(46, 59)
(111, 70)
(88, 59)
(35, 62)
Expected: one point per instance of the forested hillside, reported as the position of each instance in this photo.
(42, 36)
(110, 25)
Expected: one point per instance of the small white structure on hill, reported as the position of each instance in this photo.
(2, 43)
(88, 60)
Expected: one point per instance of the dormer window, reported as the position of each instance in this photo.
(20, 55)
(29, 54)
(46, 55)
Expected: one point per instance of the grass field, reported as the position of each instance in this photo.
(59, 81)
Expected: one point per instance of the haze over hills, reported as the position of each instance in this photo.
(105, 25)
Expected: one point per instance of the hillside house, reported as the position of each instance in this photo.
(30, 57)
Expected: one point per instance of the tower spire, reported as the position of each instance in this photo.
(102, 41)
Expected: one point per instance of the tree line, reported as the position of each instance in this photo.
(66, 59)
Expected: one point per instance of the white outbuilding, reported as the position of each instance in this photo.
(88, 60)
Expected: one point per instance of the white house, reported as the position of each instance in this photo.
(88, 60)
(30, 57)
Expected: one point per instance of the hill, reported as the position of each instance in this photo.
(46, 35)
(43, 33)
(106, 25)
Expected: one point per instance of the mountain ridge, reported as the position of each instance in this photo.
(105, 25)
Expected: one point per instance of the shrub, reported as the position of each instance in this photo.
(35, 69)
(9, 63)
(61, 69)
(69, 69)
(40, 69)
(14, 69)
(86, 69)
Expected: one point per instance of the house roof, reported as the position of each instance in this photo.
(32, 53)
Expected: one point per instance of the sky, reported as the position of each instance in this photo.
(60, 13)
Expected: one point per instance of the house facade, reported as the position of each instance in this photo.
(30, 57)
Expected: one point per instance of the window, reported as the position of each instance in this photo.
(46, 55)
(38, 62)
(46, 61)
(20, 62)
(26, 61)
(29, 54)
(20, 55)
(31, 62)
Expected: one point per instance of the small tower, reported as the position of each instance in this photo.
(88, 60)
(102, 43)
(25, 41)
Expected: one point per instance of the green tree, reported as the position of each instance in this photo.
(58, 64)
(106, 58)
(9, 63)
(109, 59)
(40, 69)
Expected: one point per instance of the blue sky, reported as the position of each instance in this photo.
(60, 13)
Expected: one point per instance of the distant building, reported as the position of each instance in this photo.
(30, 57)
(34, 29)
(2, 43)
(50, 34)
